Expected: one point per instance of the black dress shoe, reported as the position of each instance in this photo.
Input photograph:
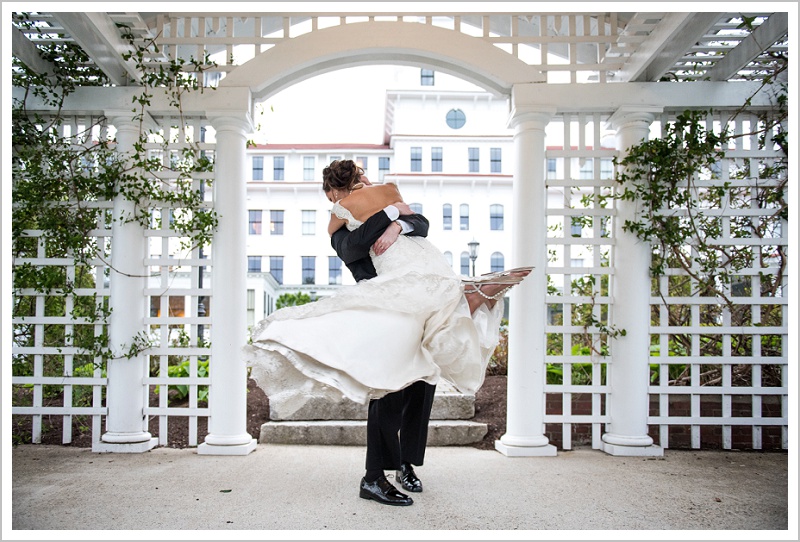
(408, 478)
(384, 492)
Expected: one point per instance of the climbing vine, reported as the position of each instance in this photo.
(676, 183)
(63, 175)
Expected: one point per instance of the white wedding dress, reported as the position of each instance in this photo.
(411, 322)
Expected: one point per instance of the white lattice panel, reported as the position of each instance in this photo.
(53, 377)
(719, 372)
(579, 176)
(179, 293)
(52, 374)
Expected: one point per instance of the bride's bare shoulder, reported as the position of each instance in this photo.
(388, 190)
(374, 191)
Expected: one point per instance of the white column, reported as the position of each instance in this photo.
(526, 338)
(126, 424)
(227, 398)
(628, 399)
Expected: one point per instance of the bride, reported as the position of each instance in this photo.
(417, 320)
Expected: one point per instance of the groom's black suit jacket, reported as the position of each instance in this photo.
(353, 247)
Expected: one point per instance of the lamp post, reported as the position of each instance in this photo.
(473, 253)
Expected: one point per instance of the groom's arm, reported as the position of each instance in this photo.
(418, 223)
(354, 245)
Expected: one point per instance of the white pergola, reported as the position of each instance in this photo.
(623, 70)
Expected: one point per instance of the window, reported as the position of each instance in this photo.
(251, 307)
(465, 263)
(448, 256)
(416, 158)
(254, 264)
(551, 168)
(436, 159)
(496, 217)
(447, 216)
(308, 168)
(587, 169)
(254, 222)
(416, 207)
(606, 168)
(496, 160)
(576, 226)
(383, 167)
(175, 306)
(456, 119)
(276, 222)
(334, 270)
(258, 168)
(362, 161)
(276, 268)
(309, 222)
(715, 169)
(277, 168)
(464, 216)
(309, 264)
(576, 262)
(474, 160)
(498, 262)
(426, 78)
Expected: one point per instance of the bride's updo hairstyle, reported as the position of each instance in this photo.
(343, 175)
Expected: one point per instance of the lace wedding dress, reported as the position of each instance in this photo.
(412, 322)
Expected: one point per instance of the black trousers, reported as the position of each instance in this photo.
(397, 427)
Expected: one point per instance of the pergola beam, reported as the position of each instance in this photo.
(758, 41)
(609, 97)
(98, 100)
(28, 54)
(675, 35)
(98, 35)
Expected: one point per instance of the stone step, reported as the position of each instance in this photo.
(448, 404)
(354, 432)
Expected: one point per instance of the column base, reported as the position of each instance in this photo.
(548, 450)
(124, 447)
(230, 449)
(632, 451)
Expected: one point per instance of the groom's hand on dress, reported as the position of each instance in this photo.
(387, 239)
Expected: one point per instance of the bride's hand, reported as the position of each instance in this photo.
(388, 238)
(403, 208)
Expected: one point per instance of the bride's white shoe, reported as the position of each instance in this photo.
(509, 277)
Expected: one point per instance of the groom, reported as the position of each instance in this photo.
(397, 424)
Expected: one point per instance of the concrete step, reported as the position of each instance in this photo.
(354, 432)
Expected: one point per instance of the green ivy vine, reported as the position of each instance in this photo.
(662, 177)
(61, 181)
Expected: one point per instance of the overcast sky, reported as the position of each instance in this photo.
(329, 108)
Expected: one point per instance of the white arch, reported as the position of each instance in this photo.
(381, 42)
